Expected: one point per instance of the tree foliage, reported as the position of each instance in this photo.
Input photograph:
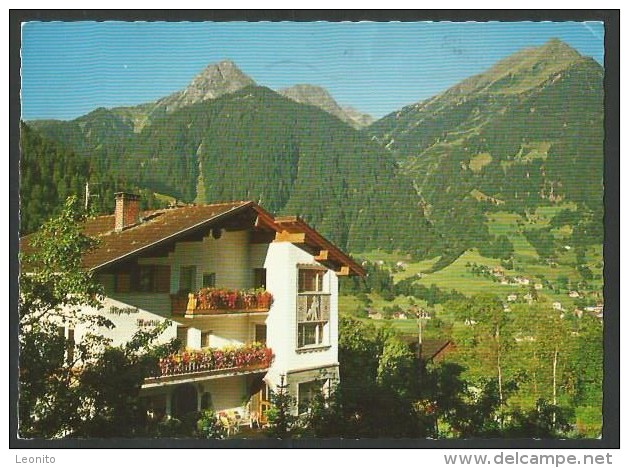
(68, 388)
(385, 392)
(210, 427)
(50, 171)
(257, 145)
(555, 357)
(282, 421)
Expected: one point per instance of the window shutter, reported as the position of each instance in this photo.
(302, 308)
(324, 307)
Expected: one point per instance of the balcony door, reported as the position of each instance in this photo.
(260, 333)
(182, 336)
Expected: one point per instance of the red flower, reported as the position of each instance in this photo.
(233, 299)
(216, 359)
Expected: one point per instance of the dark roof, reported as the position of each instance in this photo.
(157, 228)
(160, 229)
(431, 348)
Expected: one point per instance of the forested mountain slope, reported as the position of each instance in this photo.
(50, 172)
(255, 144)
(527, 133)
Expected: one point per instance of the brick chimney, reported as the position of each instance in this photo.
(127, 210)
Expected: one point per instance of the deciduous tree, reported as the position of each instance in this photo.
(66, 388)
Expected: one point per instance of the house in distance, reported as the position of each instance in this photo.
(252, 298)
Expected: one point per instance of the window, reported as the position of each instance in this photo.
(310, 334)
(259, 278)
(144, 278)
(307, 391)
(187, 279)
(311, 280)
(205, 339)
(209, 280)
(313, 309)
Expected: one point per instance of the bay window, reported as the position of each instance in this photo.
(313, 309)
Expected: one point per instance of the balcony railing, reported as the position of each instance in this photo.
(214, 361)
(214, 301)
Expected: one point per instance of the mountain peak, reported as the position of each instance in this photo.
(214, 81)
(310, 94)
(217, 79)
(556, 47)
(522, 71)
(219, 73)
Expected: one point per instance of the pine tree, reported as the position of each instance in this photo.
(281, 418)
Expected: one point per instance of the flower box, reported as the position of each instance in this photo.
(236, 359)
(221, 300)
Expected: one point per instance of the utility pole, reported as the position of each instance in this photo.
(421, 314)
(87, 195)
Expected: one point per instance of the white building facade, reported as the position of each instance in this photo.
(253, 299)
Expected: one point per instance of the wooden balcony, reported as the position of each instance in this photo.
(210, 363)
(214, 301)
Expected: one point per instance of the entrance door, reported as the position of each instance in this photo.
(260, 403)
(184, 400)
(265, 404)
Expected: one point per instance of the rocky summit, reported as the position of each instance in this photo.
(321, 98)
(215, 81)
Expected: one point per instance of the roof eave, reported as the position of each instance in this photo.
(170, 238)
(314, 239)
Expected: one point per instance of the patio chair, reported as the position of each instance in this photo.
(234, 418)
(254, 419)
(227, 423)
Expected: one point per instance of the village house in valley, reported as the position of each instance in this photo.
(253, 299)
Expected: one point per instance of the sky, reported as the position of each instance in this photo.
(72, 68)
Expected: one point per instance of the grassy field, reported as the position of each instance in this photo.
(526, 262)
(348, 304)
(165, 198)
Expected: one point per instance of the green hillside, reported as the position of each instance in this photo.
(255, 144)
(49, 173)
(527, 133)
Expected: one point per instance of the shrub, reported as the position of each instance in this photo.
(209, 427)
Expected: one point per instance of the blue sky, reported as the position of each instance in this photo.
(69, 69)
